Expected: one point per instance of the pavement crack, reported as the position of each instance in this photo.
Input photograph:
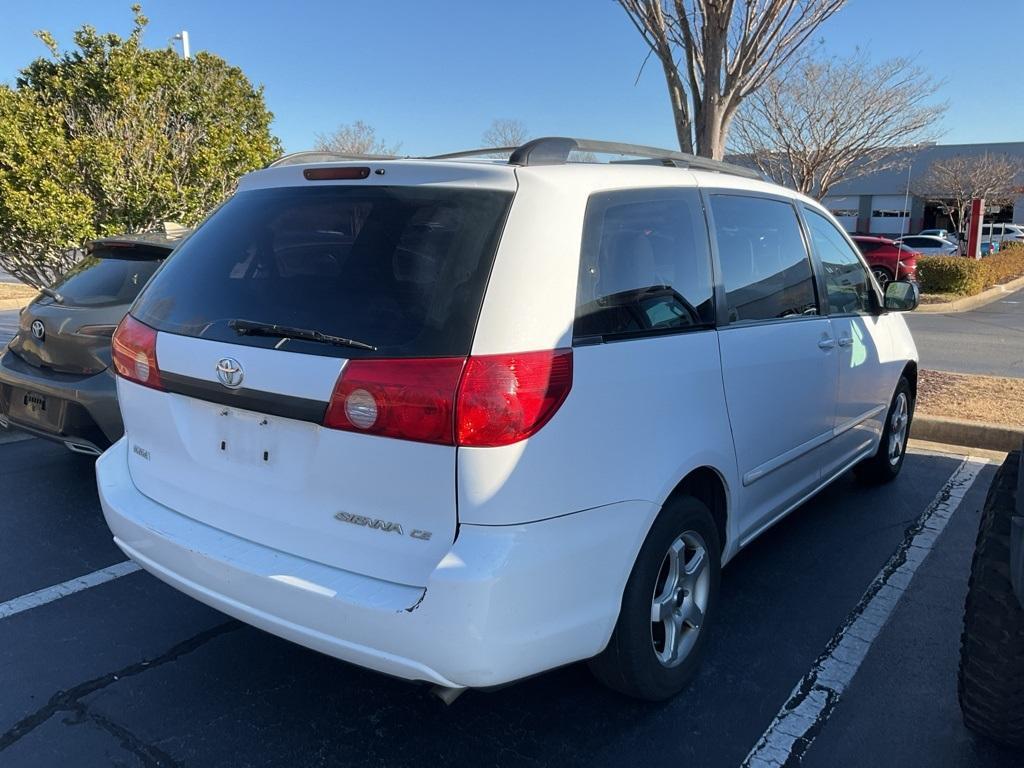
(71, 699)
(149, 754)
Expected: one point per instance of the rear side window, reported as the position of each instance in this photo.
(108, 277)
(645, 266)
(867, 246)
(402, 269)
(765, 268)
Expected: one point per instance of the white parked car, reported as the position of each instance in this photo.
(945, 234)
(463, 421)
(929, 245)
(1002, 233)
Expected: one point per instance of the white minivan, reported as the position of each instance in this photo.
(462, 420)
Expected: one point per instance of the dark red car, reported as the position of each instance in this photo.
(888, 259)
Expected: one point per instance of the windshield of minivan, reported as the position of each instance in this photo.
(400, 268)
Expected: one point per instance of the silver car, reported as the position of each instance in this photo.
(929, 245)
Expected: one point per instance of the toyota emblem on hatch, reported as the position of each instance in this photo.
(38, 329)
(229, 372)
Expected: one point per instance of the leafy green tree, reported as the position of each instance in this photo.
(121, 138)
(44, 214)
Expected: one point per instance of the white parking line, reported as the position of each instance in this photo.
(814, 698)
(57, 591)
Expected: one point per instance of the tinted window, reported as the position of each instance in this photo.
(400, 268)
(918, 242)
(764, 262)
(867, 246)
(107, 277)
(846, 279)
(645, 265)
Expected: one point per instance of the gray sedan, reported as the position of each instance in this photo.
(55, 376)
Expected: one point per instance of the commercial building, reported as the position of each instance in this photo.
(888, 203)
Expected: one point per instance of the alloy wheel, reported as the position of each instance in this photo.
(898, 423)
(680, 598)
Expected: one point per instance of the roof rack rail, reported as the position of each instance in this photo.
(555, 150)
(323, 156)
(473, 153)
(548, 150)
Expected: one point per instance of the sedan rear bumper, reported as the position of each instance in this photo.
(84, 413)
(506, 602)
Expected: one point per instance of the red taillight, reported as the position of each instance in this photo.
(134, 352)
(485, 401)
(506, 398)
(407, 399)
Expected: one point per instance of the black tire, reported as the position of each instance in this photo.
(630, 663)
(883, 276)
(991, 679)
(881, 468)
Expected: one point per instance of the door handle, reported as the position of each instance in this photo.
(826, 344)
(846, 341)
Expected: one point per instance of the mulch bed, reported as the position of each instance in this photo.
(990, 399)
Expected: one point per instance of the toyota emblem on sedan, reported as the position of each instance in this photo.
(38, 329)
(230, 372)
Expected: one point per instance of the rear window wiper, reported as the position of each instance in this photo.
(253, 328)
(52, 294)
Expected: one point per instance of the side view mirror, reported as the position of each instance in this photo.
(901, 297)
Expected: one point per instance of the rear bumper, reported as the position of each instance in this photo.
(87, 415)
(506, 602)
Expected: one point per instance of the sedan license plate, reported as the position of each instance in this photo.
(34, 408)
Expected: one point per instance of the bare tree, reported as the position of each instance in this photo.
(714, 53)
(356, 138)
(952, 183)
(505, 133)
(827, 120)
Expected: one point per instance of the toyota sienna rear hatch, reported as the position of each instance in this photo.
(288, 377)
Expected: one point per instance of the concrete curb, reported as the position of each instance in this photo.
(995, 293)
(972, 434)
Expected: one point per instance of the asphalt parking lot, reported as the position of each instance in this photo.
(132, 673)
(988, 340)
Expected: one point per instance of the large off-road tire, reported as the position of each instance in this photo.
(675, 578)
(887, 462)
(991, 680)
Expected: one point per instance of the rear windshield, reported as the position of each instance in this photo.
(108, 277)
(400, 268)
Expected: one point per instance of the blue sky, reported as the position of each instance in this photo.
(433, 74)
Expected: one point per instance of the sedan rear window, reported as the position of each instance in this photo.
(108, 277)
(402, 269)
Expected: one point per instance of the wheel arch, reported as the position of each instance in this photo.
(707, 484)
(884, 268)
(910, 372)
